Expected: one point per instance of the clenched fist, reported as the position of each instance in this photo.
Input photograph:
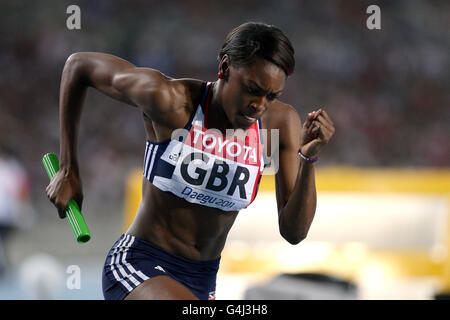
(316, 132)
(65, 185)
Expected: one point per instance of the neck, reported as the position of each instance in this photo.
(217, 117)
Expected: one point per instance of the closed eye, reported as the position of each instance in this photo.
(271, 97)
(253, 92)
(260, 92)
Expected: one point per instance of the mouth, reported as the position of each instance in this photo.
(247, 119)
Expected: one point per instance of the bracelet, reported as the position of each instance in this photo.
(307, 159)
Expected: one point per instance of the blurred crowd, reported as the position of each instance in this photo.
(386, 90)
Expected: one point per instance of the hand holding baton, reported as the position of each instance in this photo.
(73, 213)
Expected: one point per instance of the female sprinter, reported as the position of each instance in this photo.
(193, 188)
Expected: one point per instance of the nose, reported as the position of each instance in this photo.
(259, 105)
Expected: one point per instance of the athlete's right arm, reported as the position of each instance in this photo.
(143, 87)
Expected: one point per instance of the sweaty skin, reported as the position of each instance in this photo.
(186, 229)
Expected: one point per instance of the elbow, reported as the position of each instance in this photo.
(294, 238)
(74, 59)
(74, 68)
(293, 235)
(75, 62)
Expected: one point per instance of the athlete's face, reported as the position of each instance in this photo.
(249, 91)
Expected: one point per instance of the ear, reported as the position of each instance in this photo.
(224, 66)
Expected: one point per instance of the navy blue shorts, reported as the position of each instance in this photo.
(131, 261)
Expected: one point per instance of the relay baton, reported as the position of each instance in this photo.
(73, 212)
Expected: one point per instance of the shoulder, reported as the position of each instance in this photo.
(182, 93)
(284, 118)
(163, 94)
(191, 88)
(281, 115)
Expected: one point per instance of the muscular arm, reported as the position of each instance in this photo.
(295, 183)
(115, 77)
(145, 88)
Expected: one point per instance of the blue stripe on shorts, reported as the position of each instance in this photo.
(131, 261)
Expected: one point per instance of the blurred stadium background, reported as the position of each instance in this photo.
(382, 224)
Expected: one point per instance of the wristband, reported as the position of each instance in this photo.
(307, 159)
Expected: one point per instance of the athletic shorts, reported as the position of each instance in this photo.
(131, 261)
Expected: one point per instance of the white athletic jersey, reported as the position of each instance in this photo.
(206, 167)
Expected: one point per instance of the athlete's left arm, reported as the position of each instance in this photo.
(295, 179)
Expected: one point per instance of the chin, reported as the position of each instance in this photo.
(244, 126)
